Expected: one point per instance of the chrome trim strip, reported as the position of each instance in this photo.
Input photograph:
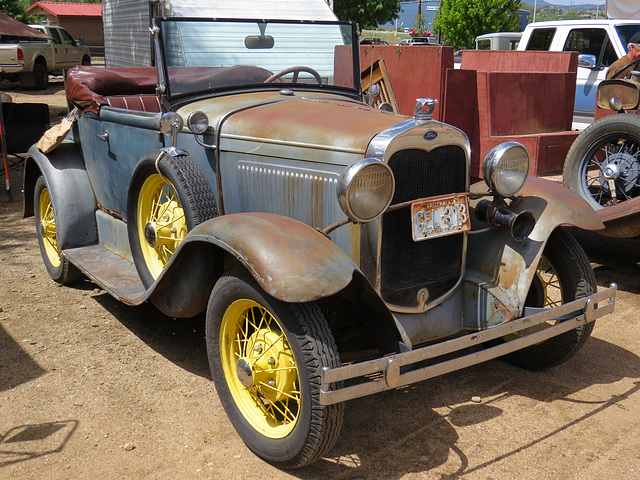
(582, 311)
(290, 143)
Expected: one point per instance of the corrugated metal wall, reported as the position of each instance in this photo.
(127, 41)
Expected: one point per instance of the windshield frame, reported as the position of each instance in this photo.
(347, 28)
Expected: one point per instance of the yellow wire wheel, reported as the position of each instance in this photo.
(47, 227)
(161, 222)
(167, 198)
(260, 368)
(58, 267)
(266, 358)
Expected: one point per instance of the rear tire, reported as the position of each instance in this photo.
(41, 76)
(57, 265)
(564, 274)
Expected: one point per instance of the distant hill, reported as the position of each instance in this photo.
(542, 3)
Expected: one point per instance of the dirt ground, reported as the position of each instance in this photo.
(93, 389)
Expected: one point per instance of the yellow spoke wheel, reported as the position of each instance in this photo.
(260, 368)
(161, 222)
(168, 197)
(266, 358)
(58, 267)
(47, 228)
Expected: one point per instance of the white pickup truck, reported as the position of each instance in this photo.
(599, 43)
(32, 59)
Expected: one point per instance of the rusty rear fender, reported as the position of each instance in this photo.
(70, 190)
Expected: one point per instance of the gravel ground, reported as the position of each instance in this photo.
(93, 389)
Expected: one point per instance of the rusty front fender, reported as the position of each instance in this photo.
(290, 260)
(500, 269)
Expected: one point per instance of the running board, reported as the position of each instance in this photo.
(115, 274)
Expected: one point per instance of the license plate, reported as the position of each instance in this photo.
(441, 217)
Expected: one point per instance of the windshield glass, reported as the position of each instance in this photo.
(211, 55)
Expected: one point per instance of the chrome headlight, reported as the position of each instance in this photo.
(198, 122)
(505, 168)
(365, 189)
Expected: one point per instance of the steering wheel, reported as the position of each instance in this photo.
(295, 71)
(630, 64)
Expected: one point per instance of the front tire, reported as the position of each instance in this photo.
(266, 358)
(563, 275)
(602, 165)
(58, 266)
(167, 198)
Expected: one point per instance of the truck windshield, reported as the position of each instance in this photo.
(202, 55)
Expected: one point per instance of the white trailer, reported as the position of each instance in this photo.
(127, 42)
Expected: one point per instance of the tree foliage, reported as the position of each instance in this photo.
(367, 13)
(17, 9)
(461, 21)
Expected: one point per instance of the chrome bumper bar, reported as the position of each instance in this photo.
(384, 373)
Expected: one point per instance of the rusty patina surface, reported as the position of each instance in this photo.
(292, 262)
(313, 120)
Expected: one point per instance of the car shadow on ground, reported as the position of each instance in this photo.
(413, 429)
(180, 340)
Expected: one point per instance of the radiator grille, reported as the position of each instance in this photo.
(408, 266)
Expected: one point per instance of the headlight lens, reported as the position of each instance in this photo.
(505, 168)
(198, 122)
(365, 189)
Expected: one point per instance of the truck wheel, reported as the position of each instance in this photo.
(563, 275)
(266, 357)
(41, 76)
(86, 60)
(167, 198)
(602, 165)
(58, 266)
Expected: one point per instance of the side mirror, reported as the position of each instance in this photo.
(587, 61)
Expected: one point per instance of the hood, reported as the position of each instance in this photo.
(318, 121)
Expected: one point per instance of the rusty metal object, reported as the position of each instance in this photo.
(626, 90)
(621, 220)
(292, 262)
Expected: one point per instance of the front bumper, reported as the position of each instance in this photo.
(385, 373)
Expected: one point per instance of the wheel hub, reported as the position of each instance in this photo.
(244, 372)
(623, 169)
(150, 234)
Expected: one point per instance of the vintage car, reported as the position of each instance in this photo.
(603, 163)
(336, 250)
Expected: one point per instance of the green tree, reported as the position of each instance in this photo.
(17, 9)
(461, 21)
(367, 13)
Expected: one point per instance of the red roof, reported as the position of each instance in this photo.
(69, 9)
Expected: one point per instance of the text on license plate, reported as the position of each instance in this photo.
(437, 218)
